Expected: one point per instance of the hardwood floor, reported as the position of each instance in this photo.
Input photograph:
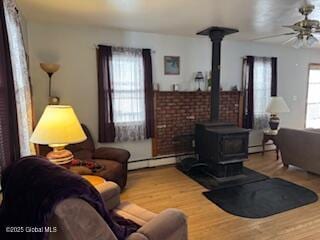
(164, 187)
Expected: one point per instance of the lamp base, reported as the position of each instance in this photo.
(59, 155)
(274, 122)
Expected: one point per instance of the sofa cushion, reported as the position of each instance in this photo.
(112, 170)
(81, 170)
(135, 213)
(76, 219)
(88, 144)
(316, 130)
(82, 154)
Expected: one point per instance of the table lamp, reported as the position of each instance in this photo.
(275, 106)
(58, 127)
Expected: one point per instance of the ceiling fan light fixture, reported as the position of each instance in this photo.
(298, 42)
(304, 29)
(311, 40)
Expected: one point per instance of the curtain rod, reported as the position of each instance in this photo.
(257, 56)
(96, 46)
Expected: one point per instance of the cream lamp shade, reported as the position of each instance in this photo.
(277, 105)
(58, 127)
(49, 67)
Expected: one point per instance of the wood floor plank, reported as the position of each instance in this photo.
(165, 187)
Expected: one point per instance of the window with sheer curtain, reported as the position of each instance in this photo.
(262, 91)
(313, 98)
(260, 83)
(128, 95)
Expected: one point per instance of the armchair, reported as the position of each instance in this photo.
(114, 160)
(170, 224)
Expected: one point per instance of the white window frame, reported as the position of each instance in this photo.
(312, 66)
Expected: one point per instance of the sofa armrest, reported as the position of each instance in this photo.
(137, 236)
(110, 193)
(109, 153)
(170, 224)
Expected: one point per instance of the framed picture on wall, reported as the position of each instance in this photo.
(171, 65)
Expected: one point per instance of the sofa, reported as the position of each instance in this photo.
(75, 219)
(300, 148)
(114, 160)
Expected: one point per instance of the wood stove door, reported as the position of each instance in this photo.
(234, 147)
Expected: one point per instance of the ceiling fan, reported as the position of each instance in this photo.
(303, 31)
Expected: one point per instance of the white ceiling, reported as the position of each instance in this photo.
(253, 18)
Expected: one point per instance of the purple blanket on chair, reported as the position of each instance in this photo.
(33, 186)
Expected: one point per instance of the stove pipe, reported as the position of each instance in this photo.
(216, 34)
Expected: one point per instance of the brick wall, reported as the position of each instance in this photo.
(177, 112)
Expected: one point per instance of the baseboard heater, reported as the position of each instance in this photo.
(172, 158)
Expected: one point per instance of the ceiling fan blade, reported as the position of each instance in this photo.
(289, 40)
(274, 36)
(294, 27)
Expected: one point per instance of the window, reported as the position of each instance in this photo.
(313, 97)
(128, 86)
(261, 91)
(125, 91)
(128, 96)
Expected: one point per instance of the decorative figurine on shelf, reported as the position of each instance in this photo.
(199, 78)
(156, 87)
(50, 69)
(234, 88)
(175, 87)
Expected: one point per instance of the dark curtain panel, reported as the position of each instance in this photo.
(148, 89)
(248, 118)
(9, 138)
(106, 124)
(274, 78)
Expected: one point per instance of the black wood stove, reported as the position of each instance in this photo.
(221, 147)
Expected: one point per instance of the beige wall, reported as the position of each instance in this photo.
(76, 82)
(73, 47)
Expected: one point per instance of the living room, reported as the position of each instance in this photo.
(95, 62)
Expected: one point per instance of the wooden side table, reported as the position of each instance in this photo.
(270, 136)
(94, 180)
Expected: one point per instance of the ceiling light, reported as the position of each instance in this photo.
(311, 41)
(298, 43)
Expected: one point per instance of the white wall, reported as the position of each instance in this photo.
(76, 82)
(292, 75)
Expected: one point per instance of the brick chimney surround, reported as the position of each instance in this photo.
(176, 114)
